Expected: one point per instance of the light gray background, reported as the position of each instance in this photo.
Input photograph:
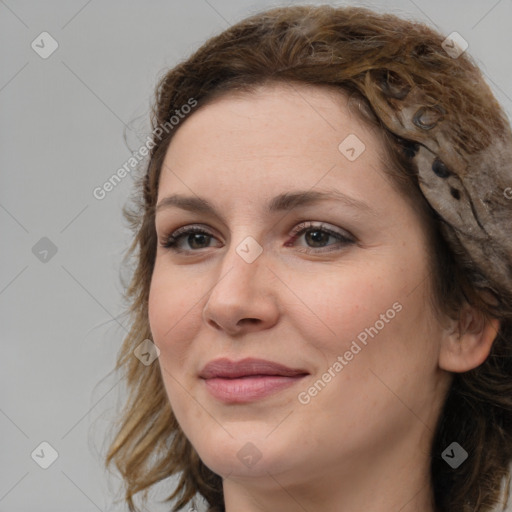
(61, 125)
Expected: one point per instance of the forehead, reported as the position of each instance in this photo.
(278, 134)
(279, 104)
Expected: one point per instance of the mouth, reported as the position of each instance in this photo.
(248, 380)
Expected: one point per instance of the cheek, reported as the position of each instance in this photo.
(171, 311)
(171, 321)
(339, 305)
(374, 316)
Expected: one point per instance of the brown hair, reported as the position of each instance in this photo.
(347, 48)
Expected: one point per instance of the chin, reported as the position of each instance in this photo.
(249, 453)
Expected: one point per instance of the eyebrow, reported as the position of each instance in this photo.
(281, 202)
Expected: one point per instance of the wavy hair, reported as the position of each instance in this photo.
(350, 49)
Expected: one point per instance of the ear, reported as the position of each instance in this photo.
(467, 341)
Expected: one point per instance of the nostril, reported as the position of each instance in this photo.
(250, 320)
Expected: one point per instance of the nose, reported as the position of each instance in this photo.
(243, 298)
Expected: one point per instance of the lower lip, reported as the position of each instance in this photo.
(247, 389)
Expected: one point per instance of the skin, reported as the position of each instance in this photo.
(363, 441)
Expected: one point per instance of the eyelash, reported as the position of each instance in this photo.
(171, 241)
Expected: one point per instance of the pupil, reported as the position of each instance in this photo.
(318, 237)
(193, 238)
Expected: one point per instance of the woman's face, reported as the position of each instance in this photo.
(333, 287)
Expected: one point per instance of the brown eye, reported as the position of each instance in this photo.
(318, 236)
(197, 238)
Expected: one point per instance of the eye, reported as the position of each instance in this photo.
(316, 234)
(197, 237)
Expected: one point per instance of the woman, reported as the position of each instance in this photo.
(324, 268)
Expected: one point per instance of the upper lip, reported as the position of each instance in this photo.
(225, 368)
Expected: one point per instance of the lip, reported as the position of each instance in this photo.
(249, 379)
